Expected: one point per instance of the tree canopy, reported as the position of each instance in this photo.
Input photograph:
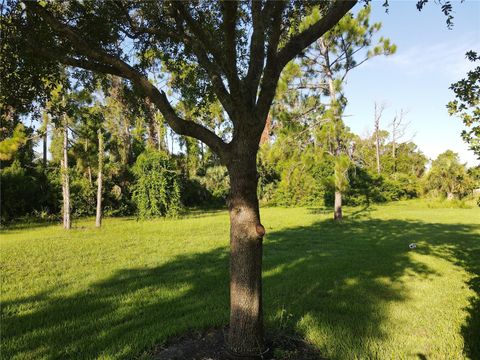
(467, 104)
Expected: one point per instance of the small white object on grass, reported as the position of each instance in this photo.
(412, 246)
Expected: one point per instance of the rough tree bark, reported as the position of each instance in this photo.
(98, 219)
(65, 177)
(246, 235)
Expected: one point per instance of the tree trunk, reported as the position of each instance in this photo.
(394, 156)
(152, 134)
(161, 132)
(378, 115)
(153, 138)
(98, 220)
(65, 178)
(245, 337)
(45, 149)
(202, 154)
(336, 118)
(377, 145)
(338, 215)
(89, 170)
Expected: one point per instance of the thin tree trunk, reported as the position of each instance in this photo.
(394, 150)
(98, 220)
(126, 143)
(394, 143)
(398, 130)
(377, 145)
(45, 149)
(153, 138)
(65, 177)
(450, 196)
(89, 170)
(338, 215)
(378, 114)
(246, 233)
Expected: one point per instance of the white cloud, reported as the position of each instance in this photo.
(445, 59)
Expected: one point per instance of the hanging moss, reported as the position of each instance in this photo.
(156, 191)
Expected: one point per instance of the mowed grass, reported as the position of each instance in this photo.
(354, 290)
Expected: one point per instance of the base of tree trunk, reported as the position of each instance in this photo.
(210, 344)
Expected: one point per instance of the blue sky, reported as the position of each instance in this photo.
(429, 58)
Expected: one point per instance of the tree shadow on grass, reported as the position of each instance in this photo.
(17, 227)
(339, 281)
(122, 315)
(320, 280)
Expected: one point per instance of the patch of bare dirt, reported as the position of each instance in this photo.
(210, 345)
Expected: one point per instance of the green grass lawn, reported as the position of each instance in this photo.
(354, 290)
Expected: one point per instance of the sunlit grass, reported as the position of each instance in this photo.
(354, 290)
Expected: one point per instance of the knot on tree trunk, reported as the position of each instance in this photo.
(260, 230)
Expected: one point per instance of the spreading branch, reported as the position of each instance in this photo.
(100, 60)
(201, 49)
(304, 39)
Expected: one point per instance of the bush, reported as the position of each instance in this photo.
(83, 195)
(156, 191)
(25, 191)
(402, 187)
(217, 182)
(194, 192)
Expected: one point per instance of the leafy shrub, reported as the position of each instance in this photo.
(400, 188)
(194, 192)
(25, 191)
(217, 182)
(83, 195)
(156, 191)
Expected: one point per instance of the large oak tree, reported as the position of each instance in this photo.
(232, 51)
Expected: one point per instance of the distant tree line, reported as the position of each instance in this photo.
(146, 171)
(95, 146)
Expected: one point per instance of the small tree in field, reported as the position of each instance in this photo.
(328, 61)
(448, 177)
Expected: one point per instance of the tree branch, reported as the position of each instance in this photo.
(103, 61)
(213, 70)
(257, 51)
(301, 41)
(137, 29)
(229, 10)
(271, 75)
